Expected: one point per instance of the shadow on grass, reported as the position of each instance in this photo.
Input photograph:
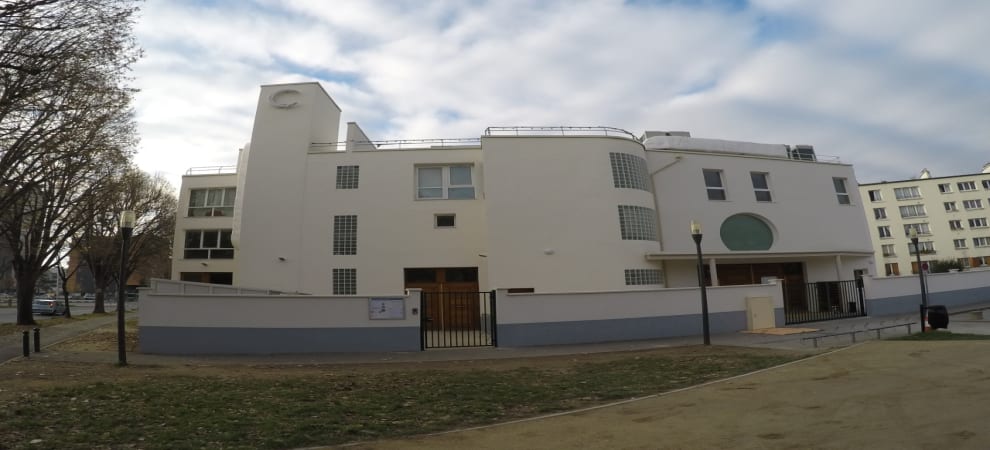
(943, 336)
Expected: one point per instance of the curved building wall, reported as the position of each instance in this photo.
(554, 214)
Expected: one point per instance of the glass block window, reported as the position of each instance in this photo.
(216, 202)
(344, 235)
(629, 171)
(344, 281)
(208, 244)
(347, 177)
(639, 277)
(637, 223)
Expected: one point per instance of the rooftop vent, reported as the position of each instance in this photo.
(649, 134)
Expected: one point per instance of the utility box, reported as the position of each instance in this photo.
(938, 316)
(759, 313)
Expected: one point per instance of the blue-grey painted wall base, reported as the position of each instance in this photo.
(253, 341)
(907, 304)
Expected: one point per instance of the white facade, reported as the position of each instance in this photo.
(540, 210)
(949, 214)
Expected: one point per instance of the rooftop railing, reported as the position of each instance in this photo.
(400, 144)
(559, 131)
(212, 170)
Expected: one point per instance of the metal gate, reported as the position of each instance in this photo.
(458, 319)
(826, 300)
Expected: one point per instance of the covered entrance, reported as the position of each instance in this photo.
(454, 312)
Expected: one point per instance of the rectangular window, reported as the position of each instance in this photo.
(921, 228)
(959, 243)
(761, 186)
(884, 231)
(444, 220)
(213, 202)
(888, 250)
(907, 193)
(345, 235)
(964, 263)
(348, 177)
(208, 244)
(639, 277)
(945, 188)
(981, 242)
(912, 211)
(445, 182)
(714, 185)
(927, 247)
(986, 184)
(629, 171)
(875, 196)
(840, 190)
(891, 269)
(880, 213)
(973, 204)
(950, 206)
(344, 281)
(966, 186)
(978, 223)
(637, 223)
(955, 225)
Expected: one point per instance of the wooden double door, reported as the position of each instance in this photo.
(450, 296)
(792, 274)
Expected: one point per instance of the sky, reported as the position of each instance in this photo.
(891, 87)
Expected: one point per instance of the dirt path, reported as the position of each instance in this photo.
(891, 394)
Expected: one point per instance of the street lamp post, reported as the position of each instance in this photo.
(126, 227)
(696, 235)
(921, 278)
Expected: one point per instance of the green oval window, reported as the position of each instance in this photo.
(746, 232)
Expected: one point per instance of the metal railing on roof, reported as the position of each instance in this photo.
(398, 144)
(212, 170)
(559, 131)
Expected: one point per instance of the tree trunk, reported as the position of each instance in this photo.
(25, 296)
(65, 295)
(98, 307)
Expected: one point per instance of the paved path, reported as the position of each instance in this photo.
(11, 346)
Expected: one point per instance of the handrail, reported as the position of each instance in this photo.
(396, 144)
(212, 170)
(559, 131)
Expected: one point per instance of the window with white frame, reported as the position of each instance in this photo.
(920, 228)
(875, 195)
(888, 250)
(639, 277)
(959, 243)
(212, 202)
(926, 247)
(955, 225)
(208, 244)
(344, 281)
(973, 204)
(761, 186)
(950, 206)
(980, 222)
(637, 223)
(966, 186)
(453, 182)
(714, 184)
(906, 193)
(444, 220)
(891, 269)
(945, 188)
(908, 211)
(629, 171)
(986, 184)
(348, 177)
(840, 190)
(884, 231)
(345, 235)
(880, 213)
(981, 242)
(964, 263)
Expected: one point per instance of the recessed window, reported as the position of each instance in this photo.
(965, 186)
(345, 235)
(875, 196)
(714, 184)
(981, 242)
(888, 250)
(214, 202)
(959, 243)
(945, 188)
(639, 277)
(344, 281)
(761, 186)
(950, 206)
(629, 171)
(348, 177)
(884, 231)
(912, 211)
(208, 244)
(880, 213)
(444, 220)
(891, 269)
(986, 184)
(445, 183)
(926, 247)
(905, 193)
(840, 190)
(955, 225)
(973, 204)
(978, 223)
(637, 223)
(920, 228)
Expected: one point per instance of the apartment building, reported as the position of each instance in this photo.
(530, 209)
(948, 214)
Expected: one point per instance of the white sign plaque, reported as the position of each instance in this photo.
(387, 308)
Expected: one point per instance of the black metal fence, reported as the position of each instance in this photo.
(827, 300)
(458, 319)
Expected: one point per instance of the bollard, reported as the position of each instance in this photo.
(37, 340)
(27, 344)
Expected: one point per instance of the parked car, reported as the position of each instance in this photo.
(47, 306)
(89, 297)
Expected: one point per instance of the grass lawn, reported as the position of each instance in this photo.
(177, 406)
(943, 336)
(7, 329)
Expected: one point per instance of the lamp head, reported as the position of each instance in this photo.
(695, 227)
(127, 219)
(913, 233)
